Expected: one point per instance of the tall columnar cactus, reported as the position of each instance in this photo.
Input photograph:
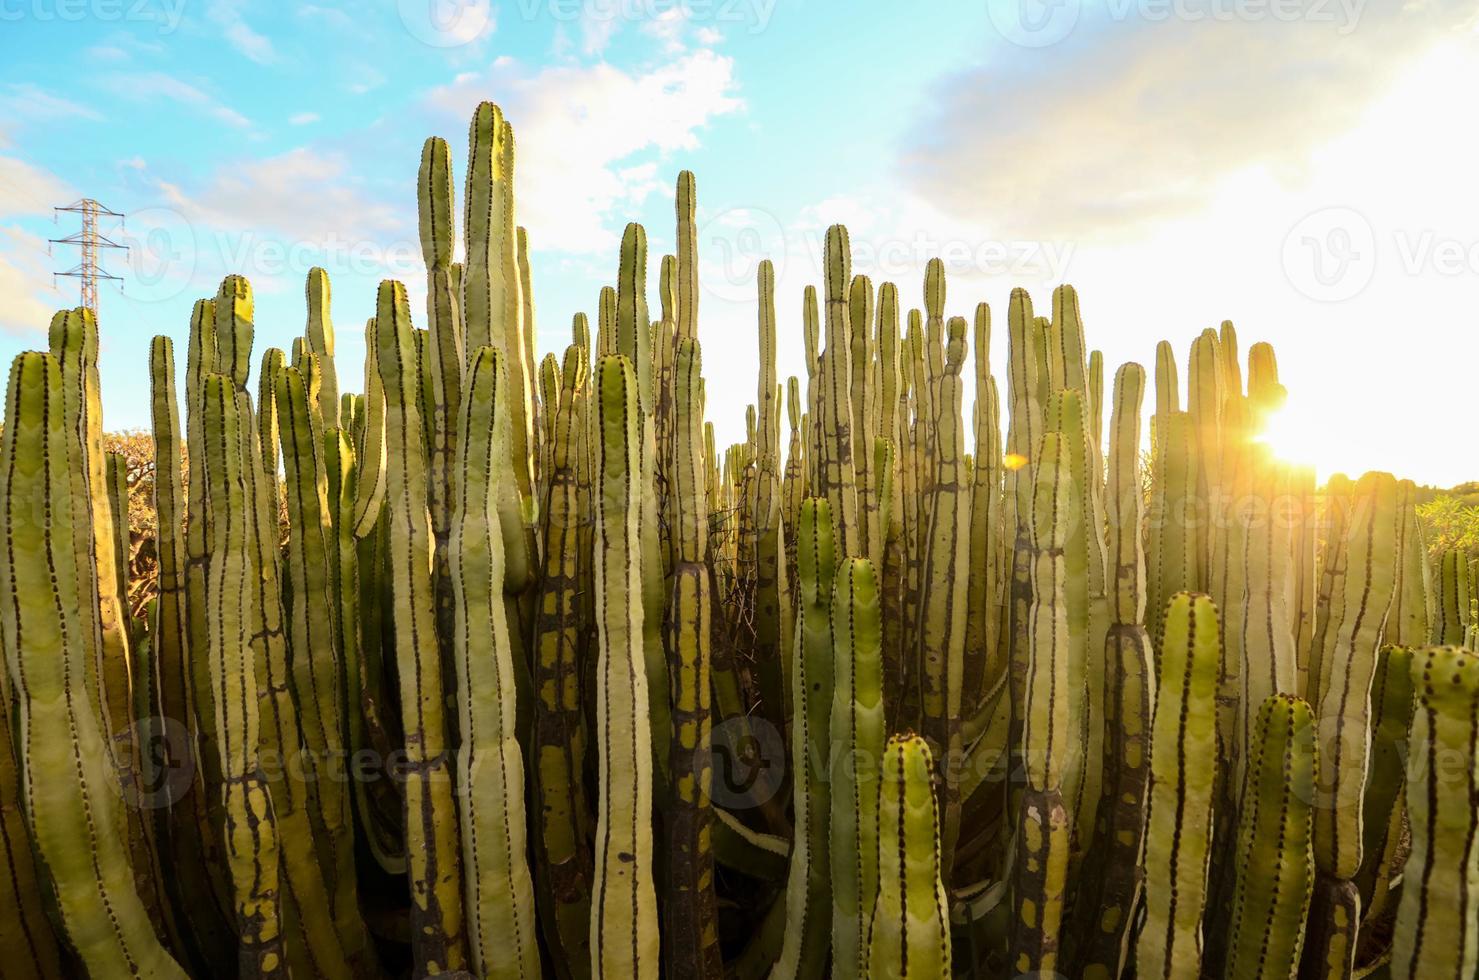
(1437, 919)
(492, 307)
(250, 829)
(837, 478)
(499, 890)
(692, 934)
(1049, 736)
(63, 761)
(864, 411)
(941, 628)
(1275, 866)
(1183, 757)
(858, 732)
(320, 337)
(1110, 889)
(624, 929)
(772, 615)
(1370, 590)
(910, 934)
(188, 840)
(804, 953)
(563, 873)
(984, 572)
(431, 830)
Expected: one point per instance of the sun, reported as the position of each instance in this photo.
(1299, 436)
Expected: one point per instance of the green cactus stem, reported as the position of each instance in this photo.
(910, 934)
(624, 923)
(1182, 774)
(431, 832)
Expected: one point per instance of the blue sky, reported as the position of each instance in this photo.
(1291, 164)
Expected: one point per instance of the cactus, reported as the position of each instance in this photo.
(498, 886)
(624, 934)
(858, 734)
(910, 934)
(1275, 867)
(431, 832)
(250, 823)
(487, 567)
(1436, 919)
(1179, 822)
(804, 953)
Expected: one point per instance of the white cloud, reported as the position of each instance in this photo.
(369, 79)
(156, 84)
(27, 190)
(566, 197)
(24, 100)
(239, 34)
(22, 267)
(1136, 121)
(303, 118)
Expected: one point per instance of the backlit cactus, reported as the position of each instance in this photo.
(513, 668)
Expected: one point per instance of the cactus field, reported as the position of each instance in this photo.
(468, 662)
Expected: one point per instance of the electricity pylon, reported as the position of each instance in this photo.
(90, 242)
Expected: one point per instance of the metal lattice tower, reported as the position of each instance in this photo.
(90, 242)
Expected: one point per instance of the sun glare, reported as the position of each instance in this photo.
(1295, 436)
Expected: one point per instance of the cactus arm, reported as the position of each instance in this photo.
(564, 869)
(1436, 921)
(692, 935)
(252, 848)
(1275, 865)
(837, 475)
(624, 936)
(804, 952)
(942, 612)
(910, 932)
(1182, 774)
(320, 337)
(1345, 708)
(858, 735)
(369, 496)
(1110, 892)
(489, 769)
(1042, 836)
(431, 843)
